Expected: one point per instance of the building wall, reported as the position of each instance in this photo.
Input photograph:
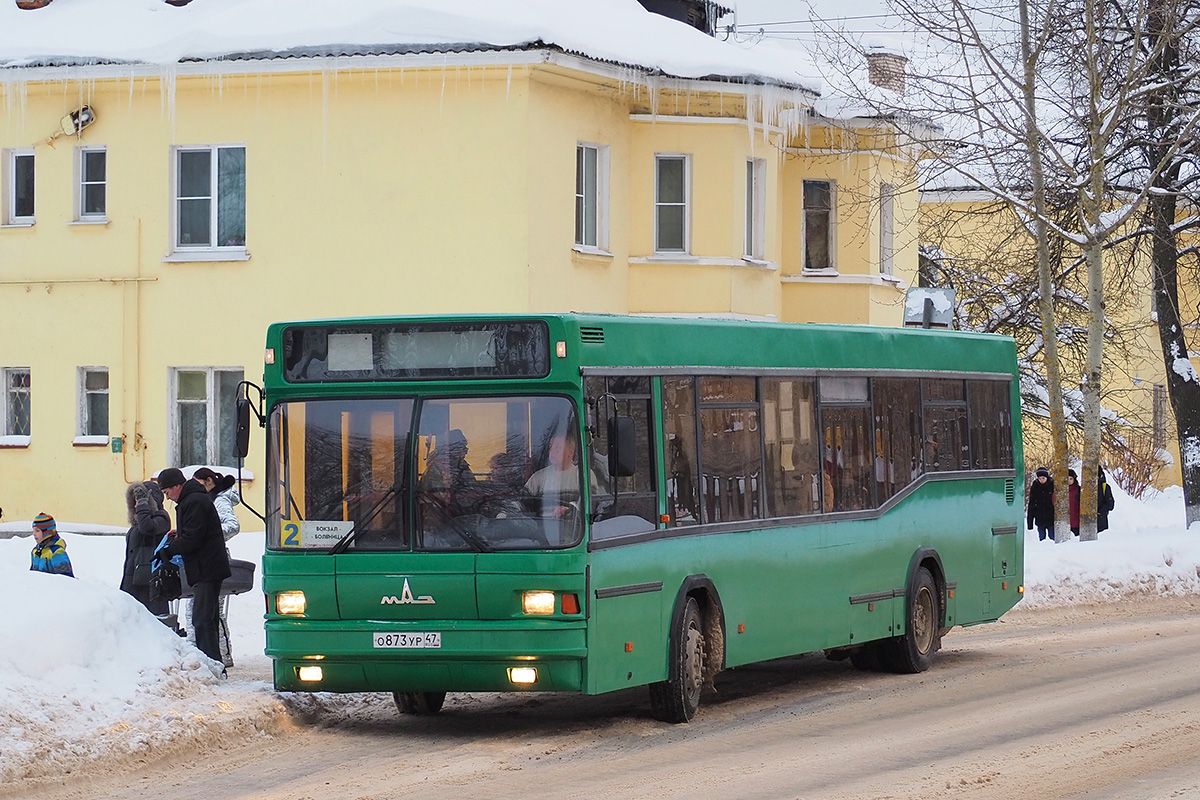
(393, 189)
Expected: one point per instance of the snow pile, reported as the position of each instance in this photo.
(1147, 551)
(86, 673)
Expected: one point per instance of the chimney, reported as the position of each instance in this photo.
(886, 70)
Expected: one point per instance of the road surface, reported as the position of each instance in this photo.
(1097, 701)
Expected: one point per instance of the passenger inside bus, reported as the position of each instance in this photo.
(449, 479)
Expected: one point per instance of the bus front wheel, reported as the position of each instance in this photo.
(913, 651)
(678, 697)
(420, 703)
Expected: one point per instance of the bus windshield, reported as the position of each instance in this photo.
(441, 474)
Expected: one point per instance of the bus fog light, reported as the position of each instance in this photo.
(538, 602)
(310, 674)
(289, 603)
(522, 674)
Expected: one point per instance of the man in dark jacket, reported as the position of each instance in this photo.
(199, 540)
(1105, 503)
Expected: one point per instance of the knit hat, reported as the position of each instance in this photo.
(1043, 472)
(44, 525)
(170, 477)
(1071, 474)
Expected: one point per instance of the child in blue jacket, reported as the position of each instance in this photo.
(50, 552)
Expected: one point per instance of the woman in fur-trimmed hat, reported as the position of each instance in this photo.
(50, 551)
(148, 523)
(1041, 505)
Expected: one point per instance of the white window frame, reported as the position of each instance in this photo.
(211, 412)
(832, 223)
(209, 251)
(83, 415)
(887, 229)
(756, 204)
(9, 181)
(81, 184)
(686, 204)
(596, 195)
(7, 436)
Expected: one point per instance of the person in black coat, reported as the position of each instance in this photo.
(1041, 505)
(198, 538)
(1104, 502)
(148, 523)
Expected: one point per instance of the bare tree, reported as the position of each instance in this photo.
(1169, 108)
(1037, 105)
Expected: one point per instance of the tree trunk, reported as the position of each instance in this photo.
(1163, 110)
(1182, 388)
(1088, 473)
(1058, 422)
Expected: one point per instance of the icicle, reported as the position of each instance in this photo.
(442, 100)
(325, 79)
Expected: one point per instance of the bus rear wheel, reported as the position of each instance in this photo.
(913, 651)
(422, 704)
(678, 697)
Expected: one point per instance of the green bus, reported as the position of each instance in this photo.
(586, 503)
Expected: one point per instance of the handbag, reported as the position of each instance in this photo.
(165, 583)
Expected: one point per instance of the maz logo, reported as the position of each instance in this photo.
(406, 598)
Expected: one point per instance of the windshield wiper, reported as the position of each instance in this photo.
(479, 545)
(344, 543)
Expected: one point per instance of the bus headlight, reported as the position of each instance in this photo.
(310, 674)
(538, 602)
(522, 675)
(289, 603)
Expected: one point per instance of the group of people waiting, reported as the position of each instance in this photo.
(1041, 503)
(204, 521)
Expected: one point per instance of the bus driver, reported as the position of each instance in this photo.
(557, 483)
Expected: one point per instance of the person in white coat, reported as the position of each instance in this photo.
(223, 490)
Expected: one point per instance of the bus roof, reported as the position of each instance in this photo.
(627, 341)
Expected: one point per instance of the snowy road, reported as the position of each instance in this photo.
(1051, 703)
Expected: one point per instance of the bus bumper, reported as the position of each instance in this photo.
(472, 657)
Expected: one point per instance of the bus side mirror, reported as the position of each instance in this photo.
(242, 442)
(622, 447)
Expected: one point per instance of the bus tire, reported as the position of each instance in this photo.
(423, 704)
(913, 651)
(678, 697)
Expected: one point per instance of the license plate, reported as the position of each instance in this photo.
(406, 641)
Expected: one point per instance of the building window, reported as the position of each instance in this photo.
(210, 197)
(818, 225)
(671, 204)
(93, 401)
(755, 208)
(591, 196)
(16, 401)
(93, 183)
(18, 182)
(203, 414)
(887, 226)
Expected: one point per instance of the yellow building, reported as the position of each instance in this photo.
(161, 208)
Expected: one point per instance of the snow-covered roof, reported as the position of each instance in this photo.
(75, 32)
